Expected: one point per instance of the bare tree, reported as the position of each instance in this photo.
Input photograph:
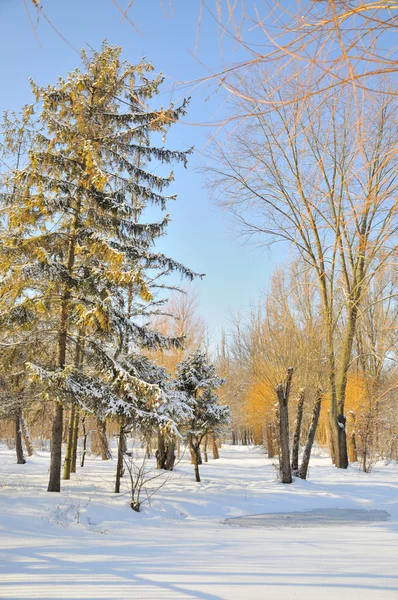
(376, 362)
(297, 432)
(335, 43)
(141, 477)
(283, 393)
(324, 184)
(311, 436)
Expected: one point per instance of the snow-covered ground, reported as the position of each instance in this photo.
(86, 542)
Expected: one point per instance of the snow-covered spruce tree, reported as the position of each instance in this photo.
(173, 411)
(198, 379)
(156, 405)
(74, 249)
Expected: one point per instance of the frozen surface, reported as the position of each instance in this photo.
(86, 542)
(311, 518)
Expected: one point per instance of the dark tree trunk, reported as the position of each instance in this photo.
(124, 440)
(297, 433)
(85, 433)
(283, 392)
(54, 484)
(364, 456)
(311, 437)
(342, 462)
(75, 441)
(74, 424)
(198, 457)
(18, 438)
(69, 445)
(120, 452)
(103, 440)
(216, 454)
(196, 460)
(161, 452)
(197, 475)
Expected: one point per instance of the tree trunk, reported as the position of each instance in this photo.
(26, 436)
(197, 475)
(196, 456)
(74, 435)
(161, 453)
(54, 484)
(103, 440)
(342, 462)
(364, 455)
(18, 438)
(216, 454)
(297, 433)
(338, 386)
(194, 447)
(69, 445)
(72, 418)
(283, 392)
(270, 440)
(85, 433)
(352, 446)
(311, 437)
(342, 454)
(275, 426)
(120, 453)
(170, 457)
(329, 439)
(206, 458)
(75, 441)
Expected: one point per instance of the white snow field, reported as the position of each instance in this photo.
(86, 542)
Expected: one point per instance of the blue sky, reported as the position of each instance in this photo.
(200, 236)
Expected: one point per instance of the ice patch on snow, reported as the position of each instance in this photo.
(311, 518)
